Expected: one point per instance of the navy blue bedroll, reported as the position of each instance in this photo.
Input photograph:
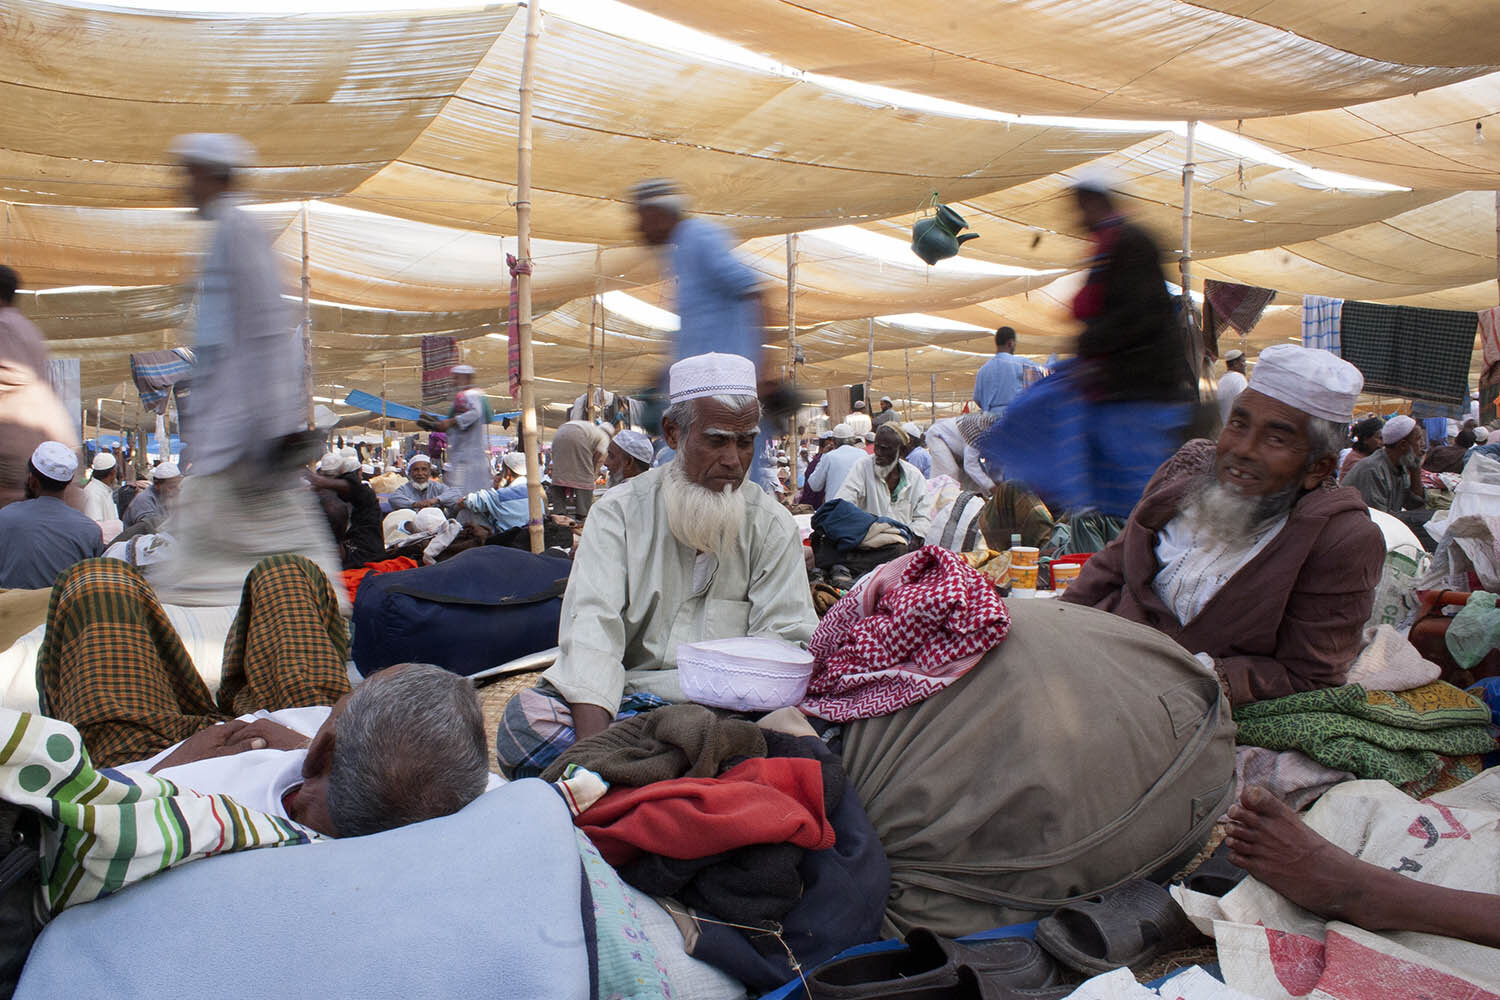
(482, 607)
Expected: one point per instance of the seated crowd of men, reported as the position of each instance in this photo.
(1243, 550)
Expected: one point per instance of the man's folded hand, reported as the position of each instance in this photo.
(233, 737)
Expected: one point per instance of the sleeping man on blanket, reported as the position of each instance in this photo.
(681, 553)
(1245, 551)
(407, 745)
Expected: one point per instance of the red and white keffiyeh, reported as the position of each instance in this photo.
(905, 632)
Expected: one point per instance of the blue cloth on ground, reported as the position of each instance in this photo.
(486, 902)
(1078, 454)
(845, 525)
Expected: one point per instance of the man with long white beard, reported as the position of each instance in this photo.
(680, 553)
(1245, 552)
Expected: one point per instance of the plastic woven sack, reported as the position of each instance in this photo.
(1475, 630)
(1395, 594)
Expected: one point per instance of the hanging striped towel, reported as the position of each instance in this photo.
(1321, 317)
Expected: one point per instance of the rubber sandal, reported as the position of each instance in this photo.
(1128, 926)
(1216, 876)
(929, 961)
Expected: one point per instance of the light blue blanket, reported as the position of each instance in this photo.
(484, 903)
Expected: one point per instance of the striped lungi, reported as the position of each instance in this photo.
(537, 727)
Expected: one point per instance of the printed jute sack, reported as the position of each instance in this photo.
(1269, 947)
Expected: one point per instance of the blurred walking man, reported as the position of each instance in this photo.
(243, 499)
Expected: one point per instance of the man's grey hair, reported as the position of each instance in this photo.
(1325, 438)
(408, 747)
(681, 413)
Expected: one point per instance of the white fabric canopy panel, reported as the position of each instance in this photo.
(95, 96)
(1142, 59)
(1416, 140)
(750, 146)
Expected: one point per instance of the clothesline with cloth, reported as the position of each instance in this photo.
(1402, 350)
(1226, 303)
(160, 374)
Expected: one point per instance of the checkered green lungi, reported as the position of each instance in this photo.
(112, 665)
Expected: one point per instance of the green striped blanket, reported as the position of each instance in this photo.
(104, 829)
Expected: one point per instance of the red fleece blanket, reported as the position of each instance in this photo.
(353, 577)
(771, 800)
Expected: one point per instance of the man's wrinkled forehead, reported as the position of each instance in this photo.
(726, 434)
(718, 420)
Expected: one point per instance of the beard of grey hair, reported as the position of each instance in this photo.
(698, 517)
(1232, 517)
(884, 470)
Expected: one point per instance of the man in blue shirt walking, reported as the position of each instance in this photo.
(1003, 377)
(718, 295)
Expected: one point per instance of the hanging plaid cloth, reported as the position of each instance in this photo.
(439, 355)
(158, 374)
(1235, 305)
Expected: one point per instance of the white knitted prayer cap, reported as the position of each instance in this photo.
(712, 375)
(55, 460)
(1397, 428)
(1318, 383)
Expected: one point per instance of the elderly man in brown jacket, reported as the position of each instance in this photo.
(1244, 551)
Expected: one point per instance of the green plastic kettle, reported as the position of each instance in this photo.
(937, 237)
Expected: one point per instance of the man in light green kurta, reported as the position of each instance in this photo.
(680, 553)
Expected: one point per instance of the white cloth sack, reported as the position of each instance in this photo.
(1271, 948)
(1478, 494)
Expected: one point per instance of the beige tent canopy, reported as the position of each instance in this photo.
(391, 137)
(1146, 59)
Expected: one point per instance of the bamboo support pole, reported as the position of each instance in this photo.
(934, 398)
(523, 280)
(307, 349)
(906, 410)
(870, 367)
(588, 398)
(791, 350)
(1195, 346)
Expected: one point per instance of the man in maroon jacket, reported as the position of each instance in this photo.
(1245, 551)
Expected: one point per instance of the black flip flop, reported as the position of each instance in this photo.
(1217, 875)
(1127, 926)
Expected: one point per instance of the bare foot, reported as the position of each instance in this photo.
(1272, 843)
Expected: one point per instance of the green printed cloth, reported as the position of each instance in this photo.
(1419, 740)
(103, 830)
(629, 967)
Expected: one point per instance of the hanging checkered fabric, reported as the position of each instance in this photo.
(1423, 353)
(439, 355)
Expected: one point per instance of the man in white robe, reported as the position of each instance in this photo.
(243, 499)
(99, 494)
(681, 553)
(886, 485)
(468, 430)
